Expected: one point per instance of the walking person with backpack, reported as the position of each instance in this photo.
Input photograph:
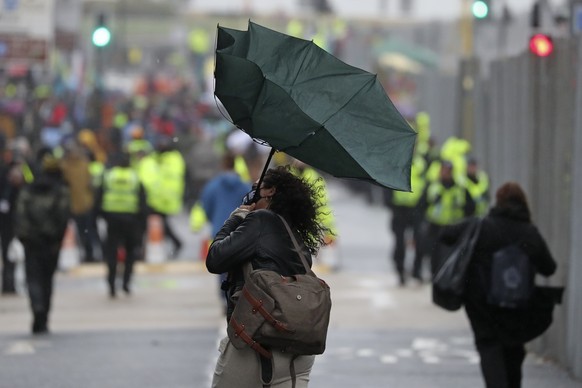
(277, 231)
(42, 214)
(499, 294)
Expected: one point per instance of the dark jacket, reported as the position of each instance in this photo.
(43, 211)
(260, 238)
(500, 228)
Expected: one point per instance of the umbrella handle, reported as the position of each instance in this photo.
(258, 189)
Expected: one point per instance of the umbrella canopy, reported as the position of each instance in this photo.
(305, 102)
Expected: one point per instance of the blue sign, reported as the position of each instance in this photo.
(10, 5)
(3, 49)
(577, 19)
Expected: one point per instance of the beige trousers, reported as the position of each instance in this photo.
(241, 368)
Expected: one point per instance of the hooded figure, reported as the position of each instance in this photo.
(223, 194)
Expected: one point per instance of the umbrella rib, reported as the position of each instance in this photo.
(350, 99)
(302, 62)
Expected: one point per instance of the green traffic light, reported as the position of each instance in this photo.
(101, 37)
(480, 9)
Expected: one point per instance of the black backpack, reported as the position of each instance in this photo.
(44, 214)
(512, 278)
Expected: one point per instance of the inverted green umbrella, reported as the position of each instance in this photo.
(303, 101)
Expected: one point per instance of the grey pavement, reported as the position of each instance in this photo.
(165, 334)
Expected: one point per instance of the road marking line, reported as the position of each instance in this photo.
(365, 353)
(20, 348)
(388, 359)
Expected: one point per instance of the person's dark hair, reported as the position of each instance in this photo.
(298, 202)
(511, 195)
(121, 159)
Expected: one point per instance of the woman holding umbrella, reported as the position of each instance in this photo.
(254, 233)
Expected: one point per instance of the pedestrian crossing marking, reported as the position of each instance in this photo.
(365, 353)
(20, 348)
(388, 359)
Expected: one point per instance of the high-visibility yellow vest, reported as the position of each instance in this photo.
(120, 191)
(417, 183)
(149, 176)
(445, 205)
(96, 170)
(27, 173)
(324, 213)
(198, 217)
(137, 145)
(241, 168)
(168, 197)
(477, 191)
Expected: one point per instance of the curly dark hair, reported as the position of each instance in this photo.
(298, 202)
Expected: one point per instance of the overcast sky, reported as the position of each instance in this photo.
(422, 9)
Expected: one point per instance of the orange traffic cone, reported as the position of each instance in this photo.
(155, 249)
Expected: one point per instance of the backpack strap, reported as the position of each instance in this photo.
(240, 332)
(258, 307)
(247, 267)
(297, 249)
(292, 372)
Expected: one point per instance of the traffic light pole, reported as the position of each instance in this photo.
(467, 74)
(467, 28)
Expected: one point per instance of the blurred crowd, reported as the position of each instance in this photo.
(103, 163)
(448, 185)
(185, 156)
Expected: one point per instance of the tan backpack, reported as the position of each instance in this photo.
(283, 312)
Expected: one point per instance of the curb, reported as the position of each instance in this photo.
(87, 270)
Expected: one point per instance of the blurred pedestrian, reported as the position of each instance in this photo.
(122, 203)
(168, 199)
(15, 172)
(508, 222)
(455, 151)
(146, 166)
(42, 214)
(203, 161)
(407, 216)
(75, 166)
(138, 145)
(444, 202)
(222, 195)
(254, 233)
(477, 183)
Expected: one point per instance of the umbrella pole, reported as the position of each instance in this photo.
(273, 150)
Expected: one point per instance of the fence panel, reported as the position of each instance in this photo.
(574, 301)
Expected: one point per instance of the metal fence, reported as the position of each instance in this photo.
(573, 333)
(529, 129)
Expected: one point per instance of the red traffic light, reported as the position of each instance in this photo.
(541, 45)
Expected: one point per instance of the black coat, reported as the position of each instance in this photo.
(500, 228)
(260, 238)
